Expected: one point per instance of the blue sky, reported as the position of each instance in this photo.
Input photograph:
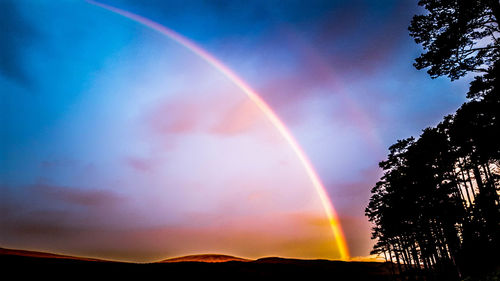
(107, 125)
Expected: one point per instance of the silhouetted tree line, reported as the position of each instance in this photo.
(436, 208)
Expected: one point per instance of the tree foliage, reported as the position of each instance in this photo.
(436, 208)
(459, 36)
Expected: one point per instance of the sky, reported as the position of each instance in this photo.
(117, 142)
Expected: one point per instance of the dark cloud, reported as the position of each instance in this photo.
(208, 21)
(70, 221)
(367, 39)
(15, 35)
(72, 196)
(39, 224)
(41, 210)
(353, 42)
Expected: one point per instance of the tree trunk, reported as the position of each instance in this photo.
(491, 184)
(397, 260)
(393, 273)
(478, 178)
(466, 187)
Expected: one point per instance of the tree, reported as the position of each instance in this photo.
(486, 84)
(436, 209)
(459, 36)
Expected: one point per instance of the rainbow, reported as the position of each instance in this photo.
(263, 106)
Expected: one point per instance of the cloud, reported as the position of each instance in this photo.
(238, 119)
(226, 112)
(98, 224)
(140, 164)
(362, 51)
(351, 195)
(285, 235)
(175, 117)
(35, 224)
(73, 196)
(41, 210)
(327, 61)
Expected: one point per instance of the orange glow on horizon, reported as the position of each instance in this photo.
(263, 106)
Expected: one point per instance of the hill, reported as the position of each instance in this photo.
(27, 264)
(43, 255)
(210, 258)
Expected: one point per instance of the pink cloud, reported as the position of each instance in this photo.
(238, 119)
(226, 112)
(175, 117)
(140, 164)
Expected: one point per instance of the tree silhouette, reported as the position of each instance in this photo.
(453, 34)
(436, 209)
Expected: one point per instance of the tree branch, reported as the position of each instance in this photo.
(495, 8)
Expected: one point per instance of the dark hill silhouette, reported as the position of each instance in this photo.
(35, 254)
(28, 264)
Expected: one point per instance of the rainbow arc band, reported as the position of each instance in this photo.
(261, 104)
